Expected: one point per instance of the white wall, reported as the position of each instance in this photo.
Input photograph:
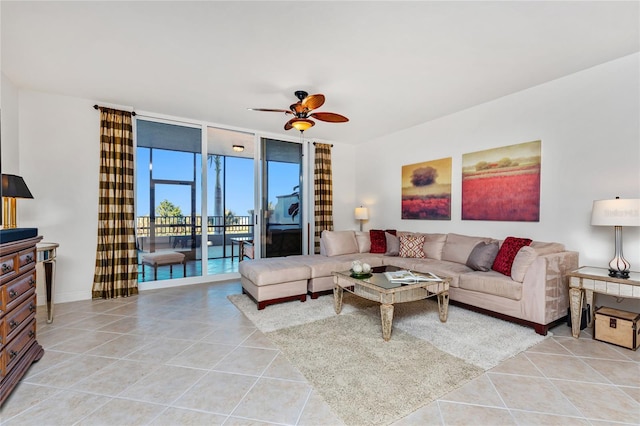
(9, 152)
(59, 158)
(589, 124)
(344, 183)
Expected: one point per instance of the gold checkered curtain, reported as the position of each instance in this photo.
(323, 192)
(116, 256)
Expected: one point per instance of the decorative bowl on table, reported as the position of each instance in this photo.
(360, 270)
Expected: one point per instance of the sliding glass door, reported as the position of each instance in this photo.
(230, 201)
(206, 196)
(168, 196)
(282, 231)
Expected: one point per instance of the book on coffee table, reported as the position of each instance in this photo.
(406, 276)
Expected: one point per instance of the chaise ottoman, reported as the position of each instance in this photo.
(274, 280)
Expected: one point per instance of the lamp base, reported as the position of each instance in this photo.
(9, 213)
(618, 274)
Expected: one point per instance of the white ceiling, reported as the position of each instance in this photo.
(385, 65)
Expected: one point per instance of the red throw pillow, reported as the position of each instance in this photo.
(378, 241)
(507, 253)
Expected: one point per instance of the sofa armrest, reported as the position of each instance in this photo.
(545, 290)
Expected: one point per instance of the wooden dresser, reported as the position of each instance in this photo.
(18, 345)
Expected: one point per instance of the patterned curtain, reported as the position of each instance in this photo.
(116, 256)
(323, 192)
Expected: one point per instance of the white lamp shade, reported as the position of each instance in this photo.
(616, 212)
(362, 213)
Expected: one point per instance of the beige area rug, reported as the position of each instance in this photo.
(365, 380)
(368, 381)
(478, 339)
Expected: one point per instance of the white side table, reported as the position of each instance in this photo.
(47, 256)
(588, 280)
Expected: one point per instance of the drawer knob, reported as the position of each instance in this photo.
(5, 268)
(32, 333)
(32, 307)
(32, 282)
(12, 354)
(12, 293)
(13, 324)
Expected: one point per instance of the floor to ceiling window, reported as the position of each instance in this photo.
(168, 197)
(282, 232)
(214, 229)
(230, 201)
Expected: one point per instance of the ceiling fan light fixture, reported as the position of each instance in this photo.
(301, 112)
(302, 124)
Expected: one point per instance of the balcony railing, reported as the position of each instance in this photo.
(182, 233)
(184, 225)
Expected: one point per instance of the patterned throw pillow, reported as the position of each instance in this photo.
(507, 254)
(412, 246)
(378, 241)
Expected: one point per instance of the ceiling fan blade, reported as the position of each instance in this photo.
(329, 116)
(313, 101)
(270, 110)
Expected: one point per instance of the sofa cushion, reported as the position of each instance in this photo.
(482, 256)
(339, 242)
(374, 260)
(525, 257)
(491, 282)
(364, 242)
(441, 268)
(323, 266)
(457, 248)
(412, 246)
(393, 244)
(378, 241)
(433, 245)
(543, 248)
(507, 253)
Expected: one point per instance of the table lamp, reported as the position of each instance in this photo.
(12, 187)
(617, 213)
(361, 214)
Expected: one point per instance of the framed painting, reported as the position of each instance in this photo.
(502, 183)
(426, 190)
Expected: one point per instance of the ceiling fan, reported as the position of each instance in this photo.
(301, 111)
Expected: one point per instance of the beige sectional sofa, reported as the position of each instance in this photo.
(534, 292)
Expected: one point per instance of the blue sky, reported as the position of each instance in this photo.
(173, 165)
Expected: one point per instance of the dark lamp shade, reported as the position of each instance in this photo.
(13, 186)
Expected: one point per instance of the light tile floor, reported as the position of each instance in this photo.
(187, 356)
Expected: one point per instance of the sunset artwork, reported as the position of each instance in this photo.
(502, 184)
(426, 190)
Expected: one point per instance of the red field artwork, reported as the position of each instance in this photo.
(427, 207)
(505, 190)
